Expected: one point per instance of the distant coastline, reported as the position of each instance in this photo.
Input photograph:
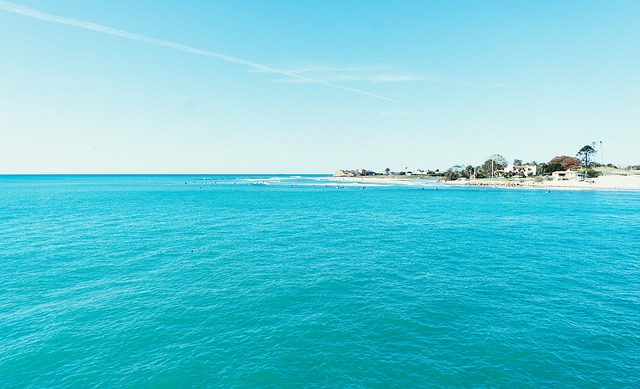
(613, 182)
(629, 181)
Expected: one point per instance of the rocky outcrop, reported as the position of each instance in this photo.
(340, 173)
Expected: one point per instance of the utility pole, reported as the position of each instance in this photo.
(601, 154)
(492, 166)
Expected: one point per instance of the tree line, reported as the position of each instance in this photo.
(494, 166)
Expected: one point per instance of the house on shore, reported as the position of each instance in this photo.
(524, 170)
(566, 175)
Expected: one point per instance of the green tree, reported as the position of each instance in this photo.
(468, 171)
(453, 173)
(553, 167)
(495, 163)
(586, 154)
(517, 162)
(542, 168)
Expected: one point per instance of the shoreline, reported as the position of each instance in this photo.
(385, 180)
(610, 182)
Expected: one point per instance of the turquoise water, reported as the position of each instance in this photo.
(180, 281)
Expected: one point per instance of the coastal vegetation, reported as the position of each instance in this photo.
(585, 154)
(496, 167)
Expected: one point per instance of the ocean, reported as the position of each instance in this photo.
(302, 281)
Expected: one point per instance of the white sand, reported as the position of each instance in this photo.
(608, 182)
(630, 182)
(617, 182)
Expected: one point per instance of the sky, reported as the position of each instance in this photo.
(284, 86)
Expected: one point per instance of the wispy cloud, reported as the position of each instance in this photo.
(335, 69)
(374, 74)
(35, 14)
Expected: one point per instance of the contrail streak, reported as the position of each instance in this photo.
(32, 13)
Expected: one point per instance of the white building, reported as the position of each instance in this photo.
(566, 175)
(526, 170)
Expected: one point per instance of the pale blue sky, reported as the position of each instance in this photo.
(421, 84)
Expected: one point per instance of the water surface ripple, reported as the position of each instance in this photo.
(145, 281)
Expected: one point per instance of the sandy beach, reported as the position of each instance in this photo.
(609, 182)
(606, 182)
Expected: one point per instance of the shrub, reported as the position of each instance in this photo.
(451, 175)
(592, 173)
